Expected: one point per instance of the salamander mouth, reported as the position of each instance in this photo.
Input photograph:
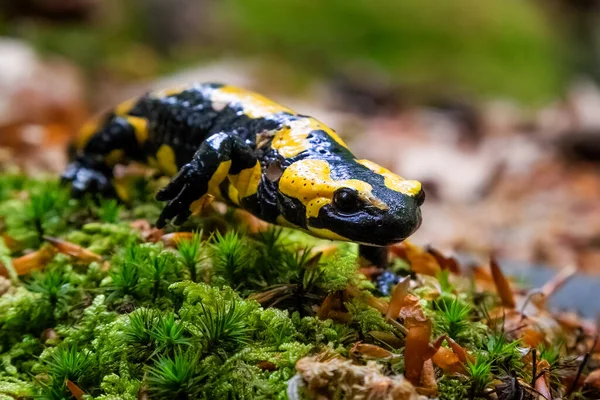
(366, 229)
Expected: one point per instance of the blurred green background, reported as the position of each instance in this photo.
(524, 49)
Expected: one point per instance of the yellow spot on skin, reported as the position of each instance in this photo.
(165, 157)
(217, 178)
(114, 157)
(247, 181)
(140, 126)
(86, 132)
(233, 194)
(126, 106)
(254, 105)
(393, 181)
(310, 182)
(198, 205)
(291, 140)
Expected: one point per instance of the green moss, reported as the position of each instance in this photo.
(133, 324)
(453, 388)
(513, 53)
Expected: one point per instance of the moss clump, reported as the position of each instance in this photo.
(230, 314)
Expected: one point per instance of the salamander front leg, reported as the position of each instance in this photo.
(371, 255)
(217, 155)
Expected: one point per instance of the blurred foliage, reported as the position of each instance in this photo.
(494, 47)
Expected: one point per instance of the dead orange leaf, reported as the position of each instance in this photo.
(446, 263)
(80, 253)
(370, 351)
(448, 361)
(502, 285)
(412, 312)
(593, 380)
(417, 351)
(75, 390)
(460, 352)
(173, 239)
(421, 261)
(34, 261)
(542, 384)
(397, 300)
(429, 385)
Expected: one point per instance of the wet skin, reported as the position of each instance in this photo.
(219, 141)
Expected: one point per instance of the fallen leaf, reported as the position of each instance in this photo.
(173, 239)
(388, 338)
(417, 351)
(75, 390)
(460, 352)
(80, 253)
(448, 361)
(267, 366)
(370, 351)
(542, 383)
(34, 261)
(502, 285)
(397, 300)
(593, 380)
(421, 261)
(428, 385)
(411, 312)
(446, 263)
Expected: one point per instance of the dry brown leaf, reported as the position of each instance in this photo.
(593, 380)
(10, 242)
(448, 361)
(173, 239)
(388, 338)
(542, 384)
(267, 366)
(531, 337)
(428, 385)
(446, 263)
(34, 261)
(74, 250)
(326, 306)
(460, 352)
(412, 312)
(397, 300)
(417, 350)
(483, 279)
(502, 285)
(421, 261)
(370, 351)
(75, 390)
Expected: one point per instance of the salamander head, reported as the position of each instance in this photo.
(356, 201)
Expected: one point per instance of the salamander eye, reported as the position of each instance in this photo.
(346, 200)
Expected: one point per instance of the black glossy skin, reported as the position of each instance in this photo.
(214, 144)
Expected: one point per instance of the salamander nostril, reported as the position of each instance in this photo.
(420, 198)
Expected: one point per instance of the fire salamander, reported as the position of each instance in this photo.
(219, 141)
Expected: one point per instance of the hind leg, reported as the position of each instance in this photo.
(92, 169)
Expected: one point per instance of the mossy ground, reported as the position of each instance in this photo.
(97, 303)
